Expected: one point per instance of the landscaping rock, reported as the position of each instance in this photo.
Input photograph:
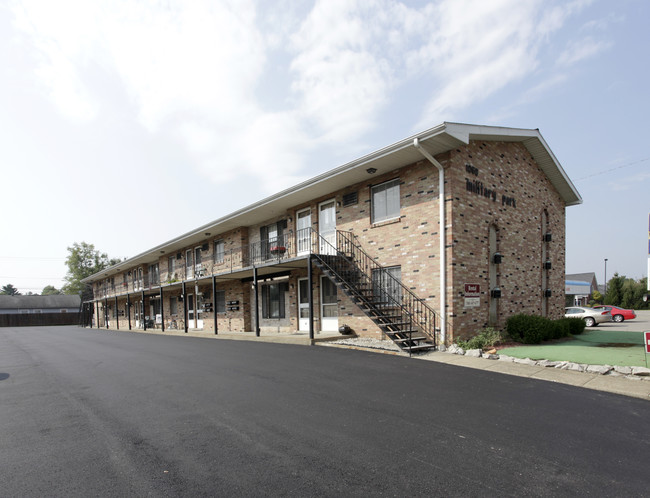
(561, 365)
(623, 370)
(599, 369)
(525, 361)
(474, 353)
(576, 367)
(491, 356)
(504, 357)
(548, 363)
(640, 371)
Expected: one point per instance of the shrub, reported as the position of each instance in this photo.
(576, 325)
(531, 329)
(487, 337)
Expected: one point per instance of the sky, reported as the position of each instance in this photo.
(126, 123)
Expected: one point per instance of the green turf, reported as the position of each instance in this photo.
(594, 347)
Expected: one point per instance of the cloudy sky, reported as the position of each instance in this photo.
(127, 123)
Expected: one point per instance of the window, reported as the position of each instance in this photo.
(385, 201)
(173, 305)
(219, 251)
(272, 239)
(220, 301)
(154, 274)
(386, 285)
(273, 300)
(171, 267)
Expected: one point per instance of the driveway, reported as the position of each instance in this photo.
(106, 413)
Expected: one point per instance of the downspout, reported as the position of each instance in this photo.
(443, 232)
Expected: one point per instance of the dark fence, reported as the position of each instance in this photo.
(39, 319)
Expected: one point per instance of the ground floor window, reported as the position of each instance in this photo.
(273, 300)
(220, 301)
(386, 284)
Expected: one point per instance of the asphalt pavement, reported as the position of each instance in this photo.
(106, 413)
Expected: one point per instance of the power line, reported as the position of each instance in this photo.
(613, 169)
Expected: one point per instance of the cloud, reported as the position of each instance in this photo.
(251, 91)
(581, 49)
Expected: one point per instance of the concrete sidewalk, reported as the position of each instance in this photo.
(638, 388)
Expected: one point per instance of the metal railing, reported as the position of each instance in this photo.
(378, 288)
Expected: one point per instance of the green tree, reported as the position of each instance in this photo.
(614, 294)
(9, 290)
(597, 296)
(627, 293)
(84, 260)
(50, 290)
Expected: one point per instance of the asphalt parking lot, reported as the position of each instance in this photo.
(106, 413)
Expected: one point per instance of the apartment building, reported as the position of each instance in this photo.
(424, 241)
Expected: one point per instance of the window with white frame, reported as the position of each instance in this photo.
(385, 201)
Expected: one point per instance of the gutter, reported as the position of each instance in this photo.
(443, 237)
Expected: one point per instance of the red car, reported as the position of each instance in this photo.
(618, 314)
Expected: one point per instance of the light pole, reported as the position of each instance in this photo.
(605, 275)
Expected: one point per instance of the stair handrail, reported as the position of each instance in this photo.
(419, 312)
(346, 244)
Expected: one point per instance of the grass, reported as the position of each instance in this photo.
(594, 347)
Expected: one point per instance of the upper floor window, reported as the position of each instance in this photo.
(154, 274)
(219, 251)
(385, 201)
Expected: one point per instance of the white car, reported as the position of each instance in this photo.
(591, 316)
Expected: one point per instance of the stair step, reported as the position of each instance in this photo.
(419, 347)
(394, 324)
(419, 338)
(395, 332)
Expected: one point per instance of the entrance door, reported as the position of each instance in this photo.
(189, 264)
(303, 304)
(329, 305)
(193, 315)
(198, 268)
(327, 227)
(303, 231)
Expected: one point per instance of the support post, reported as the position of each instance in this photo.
(162, 310)
(184, 307)
(214, 303)
(310, 285)
(142, 315)
(257, 307)
(117, 315)
(106, 311)
(128, 309)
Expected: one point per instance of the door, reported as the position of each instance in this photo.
(329, 305)
(303, 231)
(194, 319)
(189, 264)
(303, 304)
(198, 267)
(327, 227)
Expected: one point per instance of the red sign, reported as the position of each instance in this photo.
(472, 290)
(646, 336)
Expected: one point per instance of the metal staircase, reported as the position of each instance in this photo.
(405, 318)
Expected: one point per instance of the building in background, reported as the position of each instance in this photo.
(60, 309)
(580, 286)
(434, 237)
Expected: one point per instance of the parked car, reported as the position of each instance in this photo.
(591, 316)
(618, 314)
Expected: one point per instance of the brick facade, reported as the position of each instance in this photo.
(491, 187)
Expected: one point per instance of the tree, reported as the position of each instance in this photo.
(50, 290)
(597, 296)
(615, 290)
(9, 290)
(84, 260)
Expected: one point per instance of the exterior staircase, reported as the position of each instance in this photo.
(405, 318)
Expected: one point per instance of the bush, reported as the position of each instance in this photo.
(487, 337)
(576, 325)
(531, 329)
